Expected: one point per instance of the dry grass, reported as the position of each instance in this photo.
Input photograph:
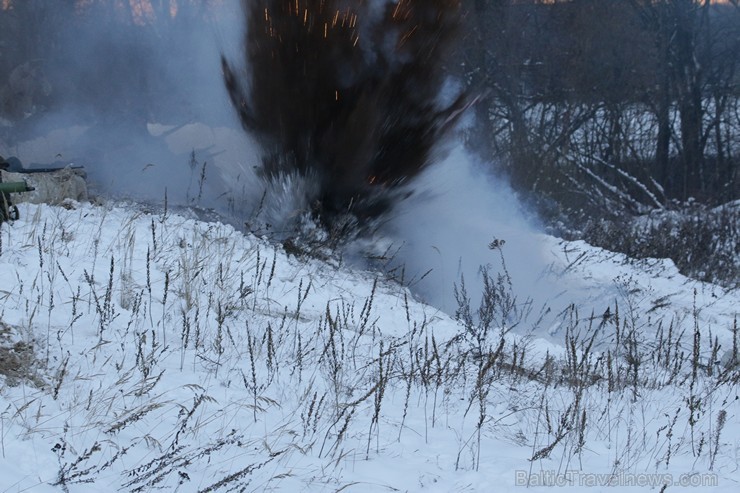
(18, 361)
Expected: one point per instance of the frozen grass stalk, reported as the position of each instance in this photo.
(164, 306)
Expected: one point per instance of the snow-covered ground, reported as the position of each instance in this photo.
(145, 350)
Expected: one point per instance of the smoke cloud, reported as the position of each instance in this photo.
(348, 112)
(351, 108)
(459, 220)
(135, 96)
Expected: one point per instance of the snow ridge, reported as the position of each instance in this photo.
(161, 352)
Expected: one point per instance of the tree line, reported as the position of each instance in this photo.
(607, 106)
(589, 106)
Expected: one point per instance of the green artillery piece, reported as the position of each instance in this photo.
(8, 211)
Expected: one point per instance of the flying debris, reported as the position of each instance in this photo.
(346, 95)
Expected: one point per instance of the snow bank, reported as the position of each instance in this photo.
(180, 355)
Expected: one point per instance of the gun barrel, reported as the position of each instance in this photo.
(29, 171)
(15, 187)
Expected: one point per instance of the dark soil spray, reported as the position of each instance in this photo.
(344, 97)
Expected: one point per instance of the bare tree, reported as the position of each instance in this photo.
(694, 66)
(570, 85)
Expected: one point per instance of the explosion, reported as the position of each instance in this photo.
(346, 96)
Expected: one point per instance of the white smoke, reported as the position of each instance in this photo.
(134, 104)
(458, 209)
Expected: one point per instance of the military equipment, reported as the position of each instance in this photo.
(44, 170)
(8, 211)
(51, 183)
(15, 187)
(14, 165)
